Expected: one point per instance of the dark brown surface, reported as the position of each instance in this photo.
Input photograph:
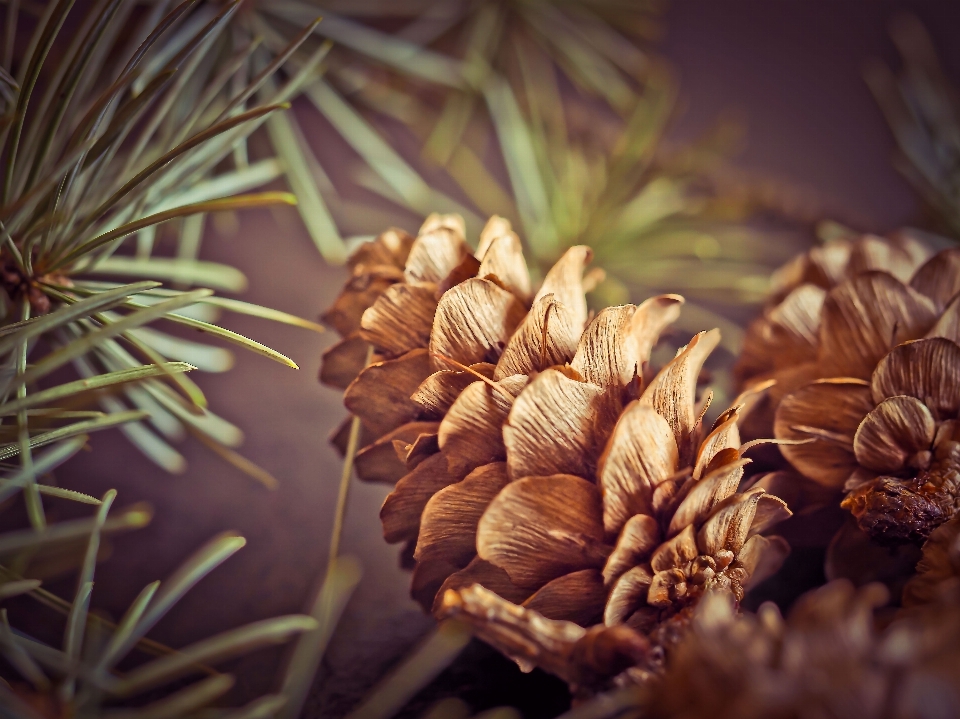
(792, 70)
(791, 67)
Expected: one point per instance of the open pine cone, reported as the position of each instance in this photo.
(863, 347)
(535, 460)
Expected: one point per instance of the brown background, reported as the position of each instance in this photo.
(791, 68)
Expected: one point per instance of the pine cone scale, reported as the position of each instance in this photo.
(380, 395)
(828, 412)
(539, 528)
(448, 525)
(641, 454)
(864, 318)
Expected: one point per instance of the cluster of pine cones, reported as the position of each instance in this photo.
(571, 502)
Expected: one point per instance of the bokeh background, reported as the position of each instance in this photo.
(789, 70)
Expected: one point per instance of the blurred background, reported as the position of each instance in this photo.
(802, 140)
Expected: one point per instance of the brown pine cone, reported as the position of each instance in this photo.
(532, 457)
(861, 344)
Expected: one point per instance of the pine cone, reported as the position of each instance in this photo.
(827, 660)
(861, 342)
(538, 463)
(783, 343)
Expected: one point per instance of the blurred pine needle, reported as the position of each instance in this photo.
(119, 125)
(81, 679)
(552, 114)
(922, 107)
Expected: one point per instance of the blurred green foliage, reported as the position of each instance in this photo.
(551, 114)
(117, 124)
(922, 108)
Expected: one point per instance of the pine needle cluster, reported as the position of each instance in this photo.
(552, 115)
(123, 126)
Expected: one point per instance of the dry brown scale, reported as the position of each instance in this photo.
(529, 454)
